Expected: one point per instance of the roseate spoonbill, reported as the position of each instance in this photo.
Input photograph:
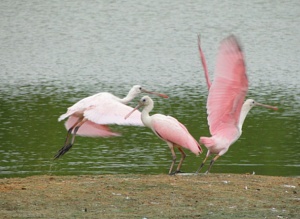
(91, 115)
(226, 108)
(169, 130)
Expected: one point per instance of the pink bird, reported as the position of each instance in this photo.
(91, 115)
(226, 108)
(169, 130)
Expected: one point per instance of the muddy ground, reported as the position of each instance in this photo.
(150, 196)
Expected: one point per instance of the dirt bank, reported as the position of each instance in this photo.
(150, 196)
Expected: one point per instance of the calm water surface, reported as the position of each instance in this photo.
(53, 53)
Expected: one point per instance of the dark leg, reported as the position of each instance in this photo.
(71, 129)
(68, 135)
(67, 145)
(212, 162)
(202, 164)
(74, 135)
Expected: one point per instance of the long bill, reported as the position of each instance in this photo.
(138, 106)
(155, 93)
(266, 106)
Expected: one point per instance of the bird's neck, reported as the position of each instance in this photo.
(146, 118)
(128, 98)
(244, 111)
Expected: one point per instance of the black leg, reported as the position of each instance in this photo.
(202, 165)
(212, 162)
(67, 146)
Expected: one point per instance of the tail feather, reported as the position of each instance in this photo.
(62, 117)
(207, 141)
(195, 147)
(200, 149)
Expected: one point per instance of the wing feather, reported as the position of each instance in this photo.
(90, 129)
(170, 129)
(103, 109)
(113, 112)
(229, 88)
(94, 100)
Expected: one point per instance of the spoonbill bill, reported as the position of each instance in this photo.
(91, 115)
(170, 130)
(226, 108)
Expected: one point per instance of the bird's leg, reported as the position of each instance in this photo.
(201, 165)
(68, 135)
(183, 155)
(71, 129)
(207, 155)
(173, 159)
(212, 162)
(68, 146)
(75, 131)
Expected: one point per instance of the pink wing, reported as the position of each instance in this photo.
(104, 108)
(111, 111)
(81, 105)
(90, 129)
(170, 129)
(203, 61)
(229, 88)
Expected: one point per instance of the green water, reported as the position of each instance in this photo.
(31, 135)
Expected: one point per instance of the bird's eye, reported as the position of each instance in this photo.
(140, 88)
(144, 100)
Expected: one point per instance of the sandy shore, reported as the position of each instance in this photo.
(150, 196)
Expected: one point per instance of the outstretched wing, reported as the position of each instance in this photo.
(111, 111)
(204, 65)
(229, 88)
(90, 129)
(81, 105)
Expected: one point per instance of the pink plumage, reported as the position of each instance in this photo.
(204, 65)
(225, 98)
(226, 108)
(103, 108)
(90, 129)
(229, 88)
(170, 130)
(91, 115)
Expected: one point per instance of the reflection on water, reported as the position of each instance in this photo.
(55, 53)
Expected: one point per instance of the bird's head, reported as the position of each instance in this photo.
(145, 101)
(137, 89)
(251, 103)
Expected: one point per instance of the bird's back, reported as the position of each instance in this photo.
(90, 101)
(170, 129)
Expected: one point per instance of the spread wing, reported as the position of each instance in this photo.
(204, 65)
(90, 129)
(112, 112)
(229, 88)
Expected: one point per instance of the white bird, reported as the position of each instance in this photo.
(91, 115)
